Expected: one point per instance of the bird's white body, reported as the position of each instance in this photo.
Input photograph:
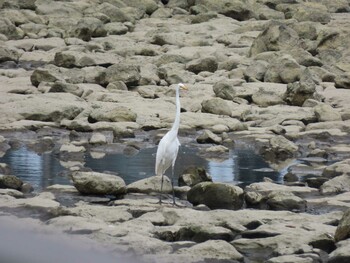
(167, 152)
(168, 146)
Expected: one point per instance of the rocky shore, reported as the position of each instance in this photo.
(98, 76)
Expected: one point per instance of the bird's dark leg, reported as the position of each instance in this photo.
(172, 184)
(161, 190)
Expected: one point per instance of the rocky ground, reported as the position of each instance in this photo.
(99, 76)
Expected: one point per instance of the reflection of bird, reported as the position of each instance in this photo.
(169, 146)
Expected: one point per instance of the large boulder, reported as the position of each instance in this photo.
(336, 185)
(298, 92)
(94, 183)
(216, 195)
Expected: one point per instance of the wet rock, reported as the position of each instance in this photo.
(10, 181)
(150, 185)
(279, 149)
(285, 201)
(5, 168)
(94, 183)
(98, 138)
(290, 177)
(194, 175)
(209, 64)
(343, 230)
(216, 106)
(216, 195)
(209, 137)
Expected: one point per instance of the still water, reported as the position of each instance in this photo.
(242, 166)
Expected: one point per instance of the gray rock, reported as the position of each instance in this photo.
(196, 66)
(8, 29)
(298, 92)
(283, 70)
(10, 181)
(325, 112)
(343, 228)
(194, 175)
(256, 70)
(336, 185)
(279, 149)
(11, 192)
(216, 195)
(285, 201)
(314, 12)
(277, 36)
(87, 28)
(266, 98)
(7, 54)
(43, 74)
(128, 73)
(116, 114)
(94, 183)
(226, 89)
(341, 254)
(98, 138)
(342, 81)
(60, 86)
(337, 169)
(208, 136)
(216, 106)
(150, 185)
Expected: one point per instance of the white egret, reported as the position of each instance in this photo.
(168, 146)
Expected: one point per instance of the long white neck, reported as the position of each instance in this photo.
(176, 123)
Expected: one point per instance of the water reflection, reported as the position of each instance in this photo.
(38, 170)
(241, 167)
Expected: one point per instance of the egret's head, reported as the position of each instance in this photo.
(182, 86)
